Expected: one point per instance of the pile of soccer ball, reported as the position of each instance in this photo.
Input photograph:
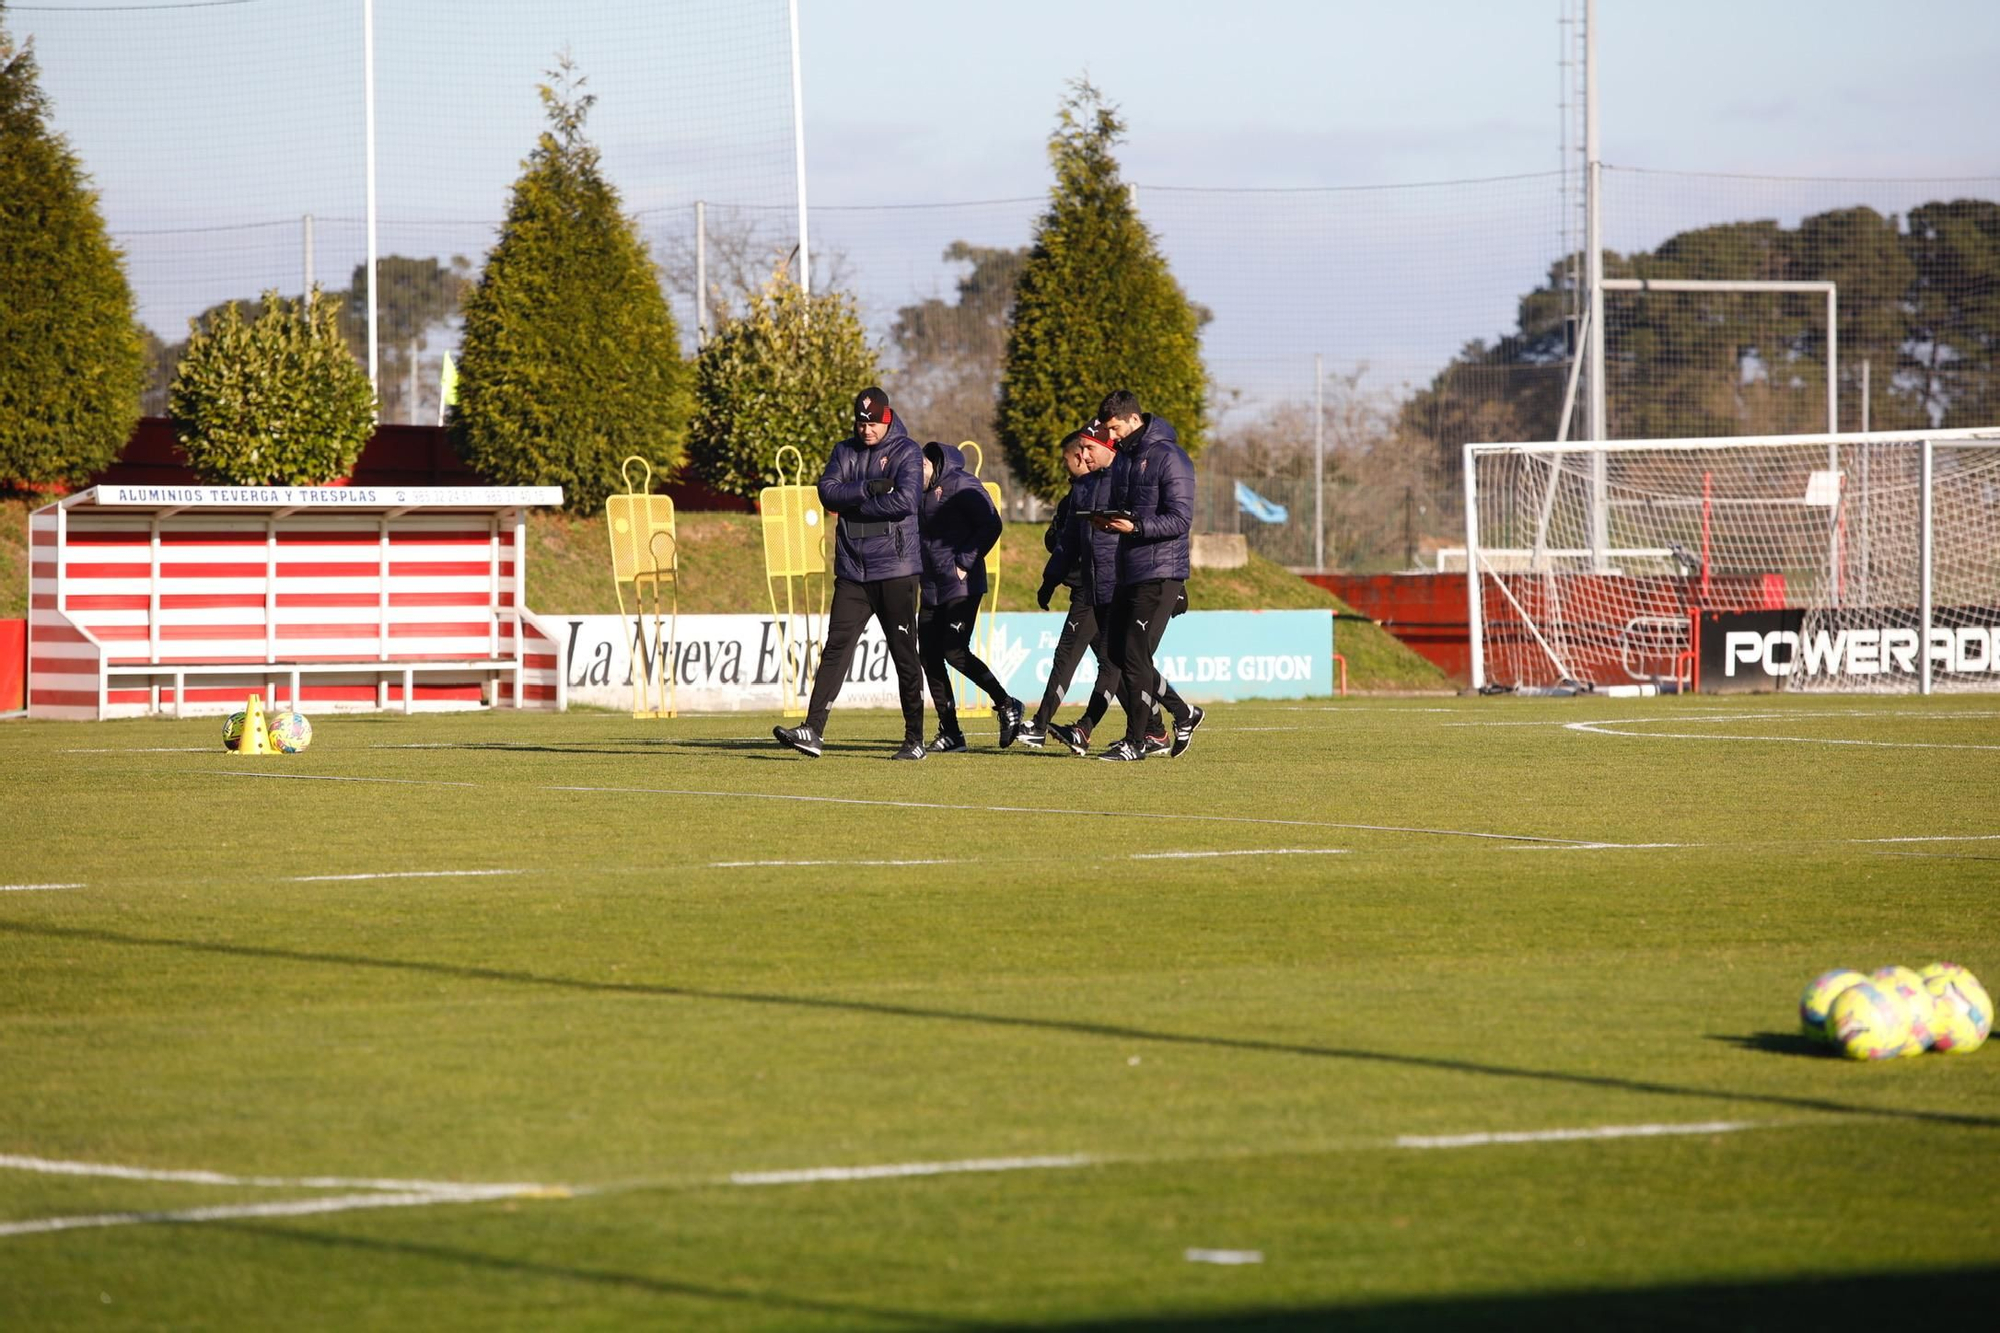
(289, 731)
(1895, 1012)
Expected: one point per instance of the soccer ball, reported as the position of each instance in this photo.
(1819, 997)
(1906, 988)
(1962, 1015)
(1941, 969)
(290, 733)
(1868, 1024)
(232, 731)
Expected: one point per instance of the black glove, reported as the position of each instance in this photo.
(1042, 596)
(881, 486)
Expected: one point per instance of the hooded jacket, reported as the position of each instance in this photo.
(1082, 556)
(957, 526)
(877, 537)
(1153, 478)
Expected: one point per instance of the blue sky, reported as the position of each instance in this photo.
(1280, 93)
(211, 128)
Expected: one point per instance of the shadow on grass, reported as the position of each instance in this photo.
(1777, 1043)
(1074, 1027)
(1798, 1303)
(763, 747)
(1806, 1302)
(597, 1277)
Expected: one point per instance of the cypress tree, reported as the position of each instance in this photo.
(570, 361)
(784, 372)
(1096, 308)
(72, 364)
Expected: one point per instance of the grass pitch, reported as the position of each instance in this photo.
(1283, 1034)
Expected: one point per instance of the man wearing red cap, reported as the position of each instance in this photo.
(872, 484)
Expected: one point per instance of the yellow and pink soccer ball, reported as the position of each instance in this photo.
(291, 733)
(1868, 1024)
(1961, 1013)
(1819, 996)
(1904, 987)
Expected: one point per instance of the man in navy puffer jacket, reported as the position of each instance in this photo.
(1153, 481)
(957, 524)
(872, 483)
(1087, 560)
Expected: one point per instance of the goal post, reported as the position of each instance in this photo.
(1846, 562)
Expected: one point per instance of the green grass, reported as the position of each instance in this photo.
(1236, 1043)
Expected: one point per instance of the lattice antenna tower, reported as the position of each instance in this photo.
(1570, 34)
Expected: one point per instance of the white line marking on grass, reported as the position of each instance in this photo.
(1614, 847)
(402, 874)
(1254, 851)
(112, 1170)
(329, 777)
(147, 749)
(1940, 837)
(1731, 715)
(1065, 812)
(338, 1203)
(1224, 1256)
(37, 888)
(900, 1170)
(740, 865)
(1604, 729)
(1569, 1135)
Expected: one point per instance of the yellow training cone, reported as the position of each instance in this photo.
(256, 735)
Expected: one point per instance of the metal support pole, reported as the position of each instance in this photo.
(1475, 631)
(1593, 244)
(799, 152)
(700, 274)
(368, 101)
(1864, 395)
(1832, 359)
(307, 288)
(1924, 538)
(1319, 462)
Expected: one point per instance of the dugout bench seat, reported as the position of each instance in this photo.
(185, 599)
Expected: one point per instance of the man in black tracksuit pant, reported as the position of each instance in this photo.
(958, 525)
(1152, 480)
(872, 483)
(1086, 560)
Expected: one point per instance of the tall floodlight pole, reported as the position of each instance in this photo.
(799, 152)
(368, 101)
(1319, 463)
(700, 274)
(1593, 247)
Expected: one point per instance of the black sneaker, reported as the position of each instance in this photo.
(914, 750)
(1123, 753)
(1184, 731)
(948, 742)
(1076, 737)
(1009, 714)
(1032, 734)
(1156, 742)
(803, 739)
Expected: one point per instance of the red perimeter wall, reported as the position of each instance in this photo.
(1427, 612)
(1424, 611)
(13, 665)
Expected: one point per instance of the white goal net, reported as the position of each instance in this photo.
(1842, 562)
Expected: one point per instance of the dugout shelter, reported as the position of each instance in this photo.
(185, 599)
